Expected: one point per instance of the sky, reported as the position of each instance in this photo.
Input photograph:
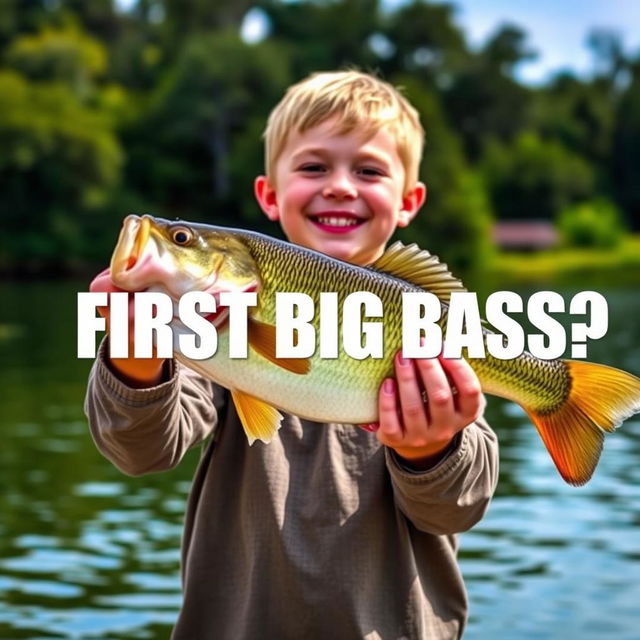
(557, 29)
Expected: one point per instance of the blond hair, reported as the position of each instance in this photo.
(356, 99)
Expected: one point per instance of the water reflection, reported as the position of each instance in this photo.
(86, 552)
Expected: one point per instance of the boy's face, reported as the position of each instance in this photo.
(341, 194)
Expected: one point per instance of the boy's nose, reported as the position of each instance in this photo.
(340, 185)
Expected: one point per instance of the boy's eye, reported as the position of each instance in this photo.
(370, 172)
(312, 168)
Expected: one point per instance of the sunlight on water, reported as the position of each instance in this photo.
(86, 552)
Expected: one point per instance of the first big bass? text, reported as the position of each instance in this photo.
(360, 319)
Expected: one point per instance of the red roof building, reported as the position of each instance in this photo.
(524, 235)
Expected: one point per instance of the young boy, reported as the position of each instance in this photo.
(330, 530)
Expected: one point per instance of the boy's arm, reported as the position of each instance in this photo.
(150, 429)
(144, 414)
(442, 457)
(452, 496)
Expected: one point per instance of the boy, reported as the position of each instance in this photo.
(329, 531)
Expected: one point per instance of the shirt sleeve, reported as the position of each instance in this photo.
(454, 495)
(147, 430)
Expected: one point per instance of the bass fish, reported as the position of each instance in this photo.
(571, 403)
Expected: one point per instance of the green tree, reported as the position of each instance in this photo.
(455, 222)
(182, 151)
(484, 101)
(20, 16)
(625, 156)
(58, 161)
(60, 156)
(324, 35)
(425, 41)
(595, 223)
(178, 20)
(66, 55)
(533, 178)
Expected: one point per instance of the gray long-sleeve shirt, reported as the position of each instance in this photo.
(319, 534)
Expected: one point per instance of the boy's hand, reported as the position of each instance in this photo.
(135, 372)
(421, 432)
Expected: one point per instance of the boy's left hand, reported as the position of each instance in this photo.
(421, 432)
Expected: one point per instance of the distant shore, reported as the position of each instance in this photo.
(620, 264)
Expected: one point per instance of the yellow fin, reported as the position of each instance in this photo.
(259, 419)
(600, 399)
(418, 266)
(262, 338)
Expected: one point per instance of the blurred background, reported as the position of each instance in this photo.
(532, 161)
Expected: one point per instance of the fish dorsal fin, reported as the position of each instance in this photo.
(419, 267)
(262, 338)
(259, 419)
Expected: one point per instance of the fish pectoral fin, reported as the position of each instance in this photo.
(262, 338)
(419, 267)
(260, 420)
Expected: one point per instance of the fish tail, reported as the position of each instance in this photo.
(599, 399)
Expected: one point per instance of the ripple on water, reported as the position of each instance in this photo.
(90, 622)
(99, 489)
(53, 561)
(125, 516)
(153, 581)
(29, 541)
(45, 588)
(144, 601)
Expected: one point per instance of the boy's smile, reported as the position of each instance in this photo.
(336, 221)
(340, 193)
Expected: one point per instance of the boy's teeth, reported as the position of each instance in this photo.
(338, 222)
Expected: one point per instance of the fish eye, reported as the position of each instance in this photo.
(181, 236)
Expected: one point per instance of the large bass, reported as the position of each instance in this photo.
(571, 403)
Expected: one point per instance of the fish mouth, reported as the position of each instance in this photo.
(135, 266)
(221, 315)
(130, 247)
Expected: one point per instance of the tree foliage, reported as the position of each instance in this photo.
(534, 178)
(160, 107)
(626, 150)
(591, 224)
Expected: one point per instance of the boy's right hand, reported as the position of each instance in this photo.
(139, 373)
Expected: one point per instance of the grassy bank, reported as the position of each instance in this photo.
(620, 264)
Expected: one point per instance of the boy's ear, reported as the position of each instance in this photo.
(266, 197)
(411, 204)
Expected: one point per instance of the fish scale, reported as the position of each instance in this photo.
(313, 274)
(546, 382)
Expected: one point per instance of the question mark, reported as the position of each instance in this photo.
(598, 320)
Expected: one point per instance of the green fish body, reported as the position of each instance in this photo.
(571, 403)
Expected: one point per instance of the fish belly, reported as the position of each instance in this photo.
(332, 390)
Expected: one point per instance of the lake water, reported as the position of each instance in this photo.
(86, 552)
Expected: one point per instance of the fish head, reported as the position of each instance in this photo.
(153, 254)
